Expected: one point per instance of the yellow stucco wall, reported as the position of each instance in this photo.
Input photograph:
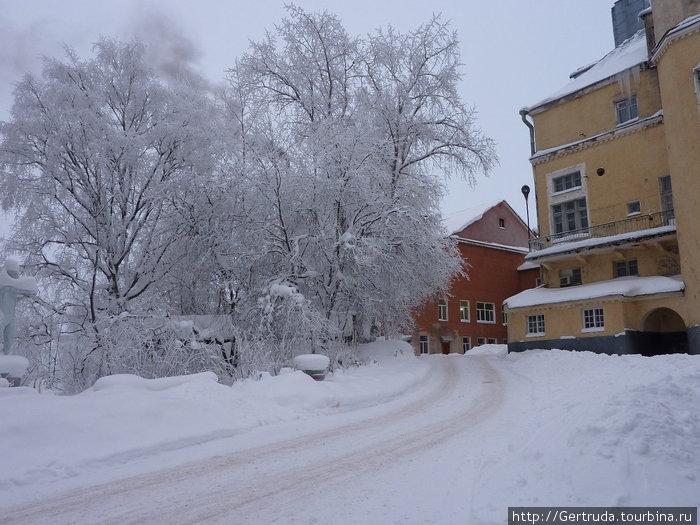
(565, 320)
(577, 117)
(682, 117)
(658, 257)
(633, 164)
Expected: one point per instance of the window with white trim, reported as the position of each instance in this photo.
(492, 341)
(464, 311)
(568, 181)
(535, 324)
(593, 319)
(442, 310)
(504, 315)
(480, 340)
(466, 344)
(485, 312)
(570, 215)
(634, 208)
(626, 110)
(424, 344)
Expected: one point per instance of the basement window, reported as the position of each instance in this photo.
(466, 344)
(626, 110)
(535, 325)
(593, 320)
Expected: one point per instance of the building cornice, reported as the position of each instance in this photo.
(672, 35)
(549, 154)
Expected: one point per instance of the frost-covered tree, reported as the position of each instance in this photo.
(345, 157)
(96, 159)
(99, 160)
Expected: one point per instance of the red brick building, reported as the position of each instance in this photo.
(493, 240)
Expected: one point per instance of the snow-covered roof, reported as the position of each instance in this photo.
(457, 221)
(630, 53)
(528, 265)
(593, 242)
(624, 286)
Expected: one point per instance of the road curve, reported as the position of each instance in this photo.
(462, 393)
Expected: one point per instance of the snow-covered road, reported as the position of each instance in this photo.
(299, 476)
(438, 439)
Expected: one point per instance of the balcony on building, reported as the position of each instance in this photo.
(635, 229)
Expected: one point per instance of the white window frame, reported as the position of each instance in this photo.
(564, 176)
(504, 316)
(593, 319)
(480, 341)
(442, 310)
(464, 308)
(492, 341)
(424, 342)
(634, 208)
(466, 343)
(570, 194)
(537, 321)
(483, 313)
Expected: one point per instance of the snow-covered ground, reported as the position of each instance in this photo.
(438, 439)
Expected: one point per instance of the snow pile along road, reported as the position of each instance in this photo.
(436, 439)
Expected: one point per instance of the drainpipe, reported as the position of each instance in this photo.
(523, 115)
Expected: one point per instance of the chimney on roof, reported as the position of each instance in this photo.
(625, 18)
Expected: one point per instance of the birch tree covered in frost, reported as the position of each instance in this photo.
(302, 202)
(97, 159)
(350, 158)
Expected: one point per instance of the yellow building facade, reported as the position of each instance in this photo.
(616, 164)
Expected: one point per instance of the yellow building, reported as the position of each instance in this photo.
(616, 162)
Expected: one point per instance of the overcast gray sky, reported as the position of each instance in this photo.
(515, 52)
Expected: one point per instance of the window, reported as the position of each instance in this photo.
(634, 208)
(485, 312)
(569, 216)
(696, 78)
(625, 268)
(466, 344)
(424, 344)
(492, 341)
(567, 182)
(464, 311)
(480, 340)
(501, 223)
(504, 315)
(535, 324)
(442, 310)
(666, 194)
(626, 110)
(569, 277)
(593, 319)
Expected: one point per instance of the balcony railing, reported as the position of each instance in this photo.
(608, 229)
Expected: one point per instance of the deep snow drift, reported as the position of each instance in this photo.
(572, 428)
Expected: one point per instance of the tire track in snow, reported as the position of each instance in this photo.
(225, 488)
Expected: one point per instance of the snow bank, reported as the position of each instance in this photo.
(13, 365)
(595, 430)
(125, 418)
